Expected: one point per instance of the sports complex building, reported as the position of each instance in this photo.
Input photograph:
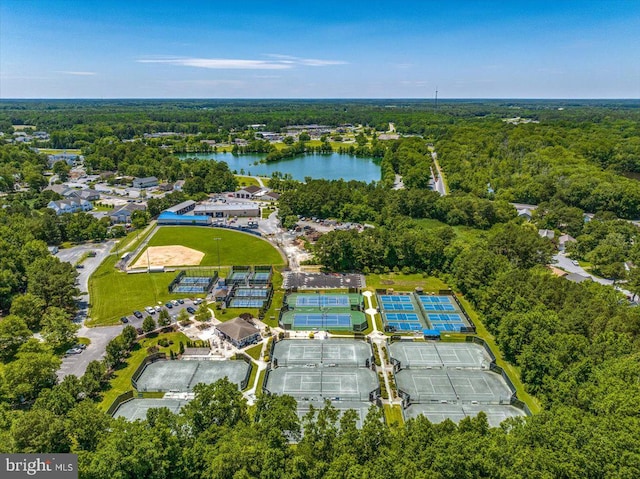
(323, 311)
(177, 378)
(428, 314)
(312, 371)
(452, 381)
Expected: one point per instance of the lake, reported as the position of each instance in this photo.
(330, 167)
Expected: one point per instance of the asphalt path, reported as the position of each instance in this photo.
(564, 262)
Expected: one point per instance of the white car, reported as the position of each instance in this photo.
(575, 262)
(158, 309)
(175, 302)
(150, 310)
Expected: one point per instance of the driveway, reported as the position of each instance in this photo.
(566, 263)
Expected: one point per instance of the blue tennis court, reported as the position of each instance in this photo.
(246, 303)
(438, 307)
(239, 275)
(405, 326)
(396, 299)
(194, 280)
(261, 276)
(442, 326)
(322, 300)
(402, 317)
(321, 320)
(189, 289)
(398, 306)
(445, 317)
(435, 299)
(251, 292)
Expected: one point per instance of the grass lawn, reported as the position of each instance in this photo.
(133, 239)
(236, 248)
(254, 351)
(404, 282)
(252, 376)
(121, 381)
(261, 378)
(114, 293)
(266, 212)
(393, 415)
(246, 181)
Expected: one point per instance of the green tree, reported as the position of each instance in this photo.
(128, 335)
(203, 313)
(93, 378)
(29, 374)
(86, 424)
(219, 404)
(13, 334)
(164, 319)
(53, 281)
(149, 324)
(30, 308)
(57, 329)
(39, 431)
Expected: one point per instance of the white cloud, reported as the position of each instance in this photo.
(77, 73)
(279, 62)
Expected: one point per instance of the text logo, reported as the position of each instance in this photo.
(46, 466)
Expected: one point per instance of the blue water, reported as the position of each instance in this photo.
(331, 167)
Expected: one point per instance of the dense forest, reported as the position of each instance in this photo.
(577, 346)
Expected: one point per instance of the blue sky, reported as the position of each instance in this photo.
(326, 49)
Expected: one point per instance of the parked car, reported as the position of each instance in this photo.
(158, 309)
(181, 301)
(150, 310)
(175, 302)
(197, 301)
(575, 262)
(169, 304)
(125, 320)
(191, 310)
(80, 346)
(137, 314)
(74, 351)
(79, 266)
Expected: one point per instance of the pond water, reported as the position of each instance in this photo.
(330, 167)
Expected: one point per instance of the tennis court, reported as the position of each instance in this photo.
(397, 306)
(452, 385)
(324, 352)
(388, 298)
(137, 408)
(439, 355)
(319, 383)
(195, 280)
(438, 307)
(246, 303)
(430, 299)
(403, 317)
(239, 276)
(324, 300)
(456, 412)
(181, 375)
(321, 320)
(405, 326)
(261, 277)
(251, 292)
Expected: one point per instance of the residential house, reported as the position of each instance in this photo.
(564, 240)
(123, 214)
(270, 196)
(84, 194)
(72, 205)
(525, 213)
(549, 234)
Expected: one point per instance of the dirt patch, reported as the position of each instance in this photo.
(173, 255)
(387, 281)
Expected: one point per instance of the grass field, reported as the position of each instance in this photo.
(114, 293)
(246, 181)
(236, 248)
(121, 381)
(393, 415)
(255, 351)
(404, 282)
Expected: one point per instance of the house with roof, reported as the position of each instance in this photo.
(123, 214)
(72, 205)
(549, 234)
(84, 194)
(248, 192)
(238, 332)
(565, 240)
(525, 213)
(270, 196)
(182, 208)
(146, 182)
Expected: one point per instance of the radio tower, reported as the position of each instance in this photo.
(436, 98)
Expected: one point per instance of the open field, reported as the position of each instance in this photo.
(58, 151)
(173, 255)
(236, 248)
(114, 293)
(404, 282)
(121, 381)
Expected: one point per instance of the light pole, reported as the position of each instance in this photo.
(217, 240)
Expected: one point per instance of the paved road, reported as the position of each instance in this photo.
(566, 263)
(439, 184)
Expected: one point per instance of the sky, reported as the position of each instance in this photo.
(322, 49)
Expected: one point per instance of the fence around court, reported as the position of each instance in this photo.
(121, 399)
(152, 358)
